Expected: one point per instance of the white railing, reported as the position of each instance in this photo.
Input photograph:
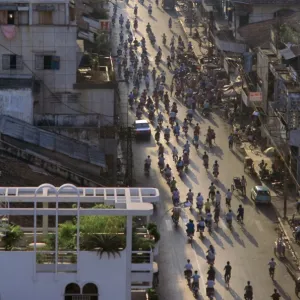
(141, 269)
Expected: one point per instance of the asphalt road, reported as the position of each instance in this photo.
(248, 248)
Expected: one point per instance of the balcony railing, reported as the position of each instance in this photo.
(141, 269)
(67, 261)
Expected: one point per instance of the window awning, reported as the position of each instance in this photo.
(8, 7)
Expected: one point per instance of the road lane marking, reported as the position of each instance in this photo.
(259, 226)
(169, 225)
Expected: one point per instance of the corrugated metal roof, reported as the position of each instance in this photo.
(25, 132)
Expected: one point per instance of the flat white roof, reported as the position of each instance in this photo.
(126, 201)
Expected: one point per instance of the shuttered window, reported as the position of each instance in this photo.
(47, 62)
(12, 62)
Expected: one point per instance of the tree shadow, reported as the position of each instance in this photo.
(153, 18)
(234, 294)
(192, 176)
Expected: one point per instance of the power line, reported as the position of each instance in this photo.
(52, 93)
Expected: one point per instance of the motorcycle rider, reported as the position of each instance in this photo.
(188, 269)
(167, 133)
(173, 184)
(176, 213)
(205, 107)
(240, 213)
(147, 163)
(211, 255)
(211, 273)
(217, 211)
(179, 165)
(228, 197)
(276, 295)
(272, 265)
(175, 153)
(218, 199)
(205, 159)
(164, 39)
(167, 171)
(190, 227)
(186, 147)
(210, 284)
(216, 169)
(208, 219)
(148, 27)
(227, 270)
(248, 291)
(150, 9)
(135, 10)
(176, 129)
(121, 20)
(229, 217)
(201, 225)
(176, 196)
(190, 196)
(190, 114)
(170, 23)
(199, 201)
(160, 117)
(161, 161)
(212, 190)
(195, 283)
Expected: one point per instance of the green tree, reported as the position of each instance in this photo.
(12, 236)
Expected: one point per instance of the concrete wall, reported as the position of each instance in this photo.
(52, 40)
(266, 12)
(263, 74)
(106, 273)
(17, 104)
(89, 101)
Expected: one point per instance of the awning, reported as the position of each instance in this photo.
(229, 93)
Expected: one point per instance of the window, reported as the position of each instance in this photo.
(47, 62)
(11, 17)
(45, 18)
(244, 20)
(12, 62)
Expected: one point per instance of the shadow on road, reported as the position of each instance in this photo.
(281, 291)
(250, 237)
(225, 236)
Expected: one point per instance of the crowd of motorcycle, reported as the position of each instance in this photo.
(134, 63)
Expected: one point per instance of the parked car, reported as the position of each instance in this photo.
(261, 194)
(142, 128)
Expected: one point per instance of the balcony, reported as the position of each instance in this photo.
(142, 269)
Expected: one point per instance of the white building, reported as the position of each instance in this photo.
(85, 277)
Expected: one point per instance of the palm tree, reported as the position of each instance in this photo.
(111, 244)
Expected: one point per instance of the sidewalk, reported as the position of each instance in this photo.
(292, 259)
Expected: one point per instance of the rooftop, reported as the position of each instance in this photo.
(125, 201)
(258, 2)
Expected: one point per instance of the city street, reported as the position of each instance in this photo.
(249, 247)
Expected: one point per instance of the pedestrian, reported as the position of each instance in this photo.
(171, 88)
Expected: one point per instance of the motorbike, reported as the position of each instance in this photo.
(161, 166)
(196, 290)
(157, 136)
(175, 221)
(167, 138)
(147, 168)
(150, 12)
(205, 113)
(210, 292)
(188, 275)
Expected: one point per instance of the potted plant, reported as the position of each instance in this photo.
(154, 233)
(12, 236)
(152, 294)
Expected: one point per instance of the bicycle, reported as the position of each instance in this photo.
(227, 279)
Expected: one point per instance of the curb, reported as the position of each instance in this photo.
(181, 23)
(292, 272)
